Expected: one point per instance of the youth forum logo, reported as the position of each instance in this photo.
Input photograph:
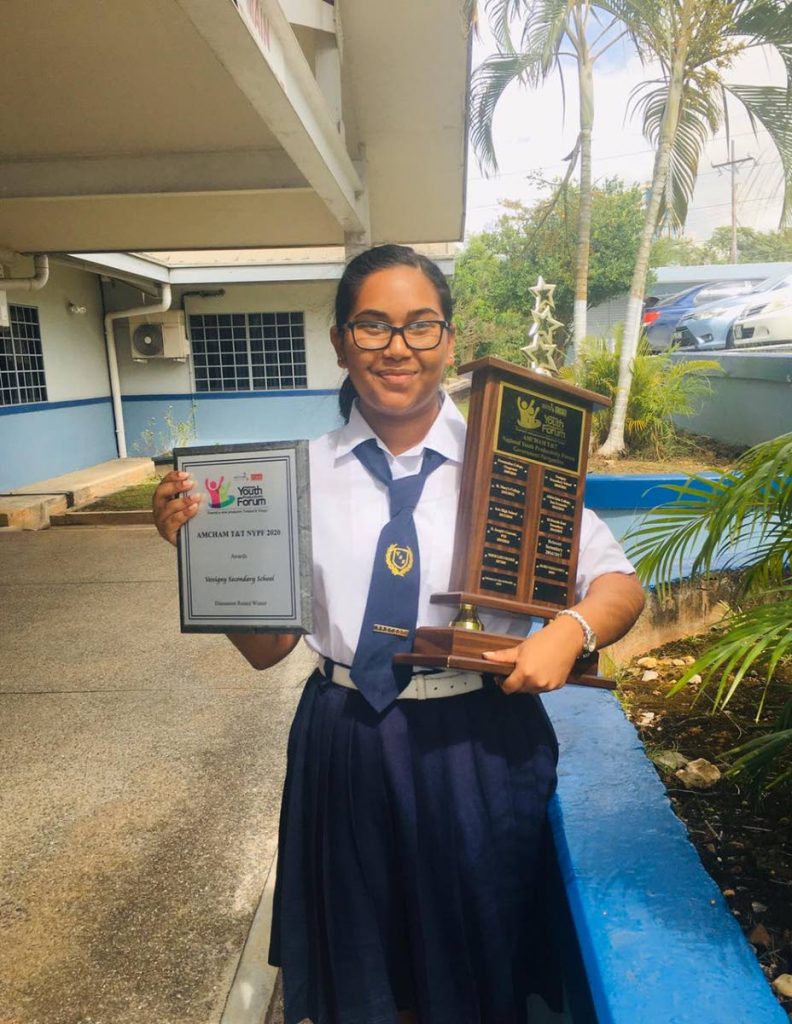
(218, 493)
(528, 415)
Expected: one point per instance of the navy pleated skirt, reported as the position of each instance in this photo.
(410, 858)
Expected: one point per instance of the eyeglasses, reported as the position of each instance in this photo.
(372, 335)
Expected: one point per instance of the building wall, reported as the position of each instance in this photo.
(162, 390)
(601, 320)
(751, 400)
(74, 428)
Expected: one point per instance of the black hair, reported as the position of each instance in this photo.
(381, 257)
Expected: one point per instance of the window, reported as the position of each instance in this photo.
(248, 351)
(21, 359)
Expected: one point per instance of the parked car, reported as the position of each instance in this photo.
(661, 317)
(767, 322)
(711, 326)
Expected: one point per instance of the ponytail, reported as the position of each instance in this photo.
(346, 398)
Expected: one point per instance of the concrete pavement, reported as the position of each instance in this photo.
(141, 775)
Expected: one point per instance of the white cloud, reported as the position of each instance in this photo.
(531, 133)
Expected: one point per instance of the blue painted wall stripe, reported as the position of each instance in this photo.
(58, 439)
(13, 410)
(223, 420)
(201, 396)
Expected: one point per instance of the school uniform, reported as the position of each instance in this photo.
(410, 839)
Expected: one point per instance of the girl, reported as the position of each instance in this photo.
(411, 829)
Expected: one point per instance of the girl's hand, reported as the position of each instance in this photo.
(172, 508)
(544, 660)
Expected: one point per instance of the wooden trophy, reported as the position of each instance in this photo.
(520, 507)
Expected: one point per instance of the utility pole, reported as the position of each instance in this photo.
(732, 164)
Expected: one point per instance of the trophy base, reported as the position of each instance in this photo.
(541, 610)
(464, 649)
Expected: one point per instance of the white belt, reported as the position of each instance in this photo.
(422, 686)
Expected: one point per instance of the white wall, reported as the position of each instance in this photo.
(75, 364)
(74, 427)
(313, 298)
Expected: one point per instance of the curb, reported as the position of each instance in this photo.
(254, 982)
(107, 518)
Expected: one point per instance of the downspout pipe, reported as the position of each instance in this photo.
(24, 284)
(163, 303)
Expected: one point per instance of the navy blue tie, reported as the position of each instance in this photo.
(392, 606)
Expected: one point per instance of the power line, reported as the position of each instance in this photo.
(743, 202)
(599, 159)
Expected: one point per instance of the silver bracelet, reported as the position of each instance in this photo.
(589, 636)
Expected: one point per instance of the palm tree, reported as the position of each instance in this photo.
(696, 43)
(551, 30)
(742, 519)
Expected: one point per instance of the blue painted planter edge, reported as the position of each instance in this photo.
(656, 937)
(634, 491)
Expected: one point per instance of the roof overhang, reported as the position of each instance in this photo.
(194, 124)
(135, 269)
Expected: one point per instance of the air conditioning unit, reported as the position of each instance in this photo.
(159, 336)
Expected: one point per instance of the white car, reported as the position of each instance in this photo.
(767, 322)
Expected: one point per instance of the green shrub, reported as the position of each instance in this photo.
(661, 389)
(176, 434)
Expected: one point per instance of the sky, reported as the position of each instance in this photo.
(532, 133)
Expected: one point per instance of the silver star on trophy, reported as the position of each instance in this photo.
(542, 351)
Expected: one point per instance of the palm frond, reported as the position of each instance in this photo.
(648, 25)
(699, 117)
(663, 544)
(772, 107)
(743, 516)
(490, 81)
(758, 758)
(767, 22)
(470, 14)
(500, 15)
(758, 636)
(544, 29)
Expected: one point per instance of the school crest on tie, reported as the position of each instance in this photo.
(399, 560)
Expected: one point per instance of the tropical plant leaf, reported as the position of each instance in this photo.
(490, 81)
(700, 116)
(742, 517)
(767, 22)
(759, 637)
(758, 758)
(546, 24)
(661, 390)
(772, 106)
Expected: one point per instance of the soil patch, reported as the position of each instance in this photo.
(697, 454)
(744, 841)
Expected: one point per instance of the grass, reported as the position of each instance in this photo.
(131, 499)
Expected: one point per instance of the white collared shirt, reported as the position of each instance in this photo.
(349, 509)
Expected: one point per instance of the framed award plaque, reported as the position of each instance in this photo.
(245, 557)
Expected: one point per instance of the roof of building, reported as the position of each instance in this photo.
(185, 124)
